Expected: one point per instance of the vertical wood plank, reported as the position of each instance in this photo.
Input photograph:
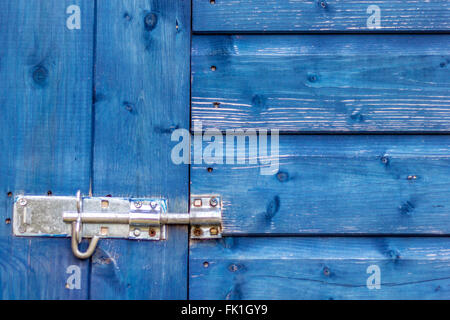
(45, 141)
(142, 95)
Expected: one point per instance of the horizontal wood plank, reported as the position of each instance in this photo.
(336, 184)
(320, 15)
(320, 268)
(322, 83)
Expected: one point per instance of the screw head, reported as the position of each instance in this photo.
(213, 202)
(214, 231)
(137, 232)
(138, 204)
(23, 202)
(152, 232)
(197, 232)
(153, 204)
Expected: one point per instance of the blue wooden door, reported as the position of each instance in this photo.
(357, 206)
(90, 93)
(352, 204)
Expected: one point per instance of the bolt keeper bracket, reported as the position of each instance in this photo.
(106, 217)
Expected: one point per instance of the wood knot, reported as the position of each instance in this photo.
(407, 208)
(313, 78)
(150, 21)
(40, 75)
(127, 16)
(357, 116)
(258, 101)
(128, 106)
(272, 208)
(282, 176)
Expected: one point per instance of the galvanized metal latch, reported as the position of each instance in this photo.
(95, 217)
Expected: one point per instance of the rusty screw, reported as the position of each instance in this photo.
(197, 232)
(214, 231)
(138, 204)
(152, 232)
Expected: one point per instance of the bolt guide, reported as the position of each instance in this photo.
(96, 217)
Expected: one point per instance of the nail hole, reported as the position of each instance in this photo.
(213, 68)
(212, 1)
(216, 104)
(105, 204)
(210, 169)
(233, 268)
(8, 221)
(108, 196)
(49, 192)
(206, 264)
(9, 194)
(104, 231)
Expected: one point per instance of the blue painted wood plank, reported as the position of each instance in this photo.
(142, 95)
(322, 83)
(320, 268)
(46, 99)
(320, 15)
(335, 184)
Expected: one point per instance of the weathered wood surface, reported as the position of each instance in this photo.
(322, 83)
(45, 98)
(142, 94)
(320, 16)
(337, 184)
(319, 268)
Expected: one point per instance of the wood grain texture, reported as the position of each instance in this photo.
(319, 268)
(45, 99)
(142, 95)
(337, 184)
(322, 83)
(318, 15)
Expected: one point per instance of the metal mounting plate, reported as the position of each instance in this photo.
(203, 207)
(43, 216)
